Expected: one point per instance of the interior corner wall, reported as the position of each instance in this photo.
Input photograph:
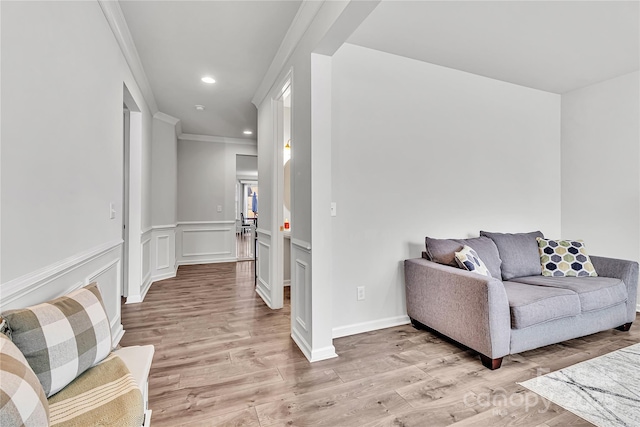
(164, 187)
(206, 181)
(601, 167)
(164, 201)
(62, 150)
(423, 150)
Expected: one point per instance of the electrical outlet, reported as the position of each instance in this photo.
(360, 293)
(219, 208)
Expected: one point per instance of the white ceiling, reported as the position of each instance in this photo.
(556, 46)
(234, 41)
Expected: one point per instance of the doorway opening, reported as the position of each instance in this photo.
(131, 199)
(283, 212)
(247, 204)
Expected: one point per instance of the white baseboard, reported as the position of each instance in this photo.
(117, 337)
(301, 343)
(316, 355)
(286, 283)
(146, 285)
(373, 325)
(163, 276)
(265, 297)
(324, 353)
(133, 299)
(637, 307)
(205, 261)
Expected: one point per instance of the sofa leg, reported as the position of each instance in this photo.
(416, 324)
(625, 327)
(490, 363)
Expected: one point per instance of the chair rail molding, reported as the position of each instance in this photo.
(31, 282)
(218, 139)
(101, 264)
(305, 246)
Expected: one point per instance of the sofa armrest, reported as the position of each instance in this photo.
(467, 307)
(627, 271)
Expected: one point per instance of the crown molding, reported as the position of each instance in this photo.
(301, 22)
(114, 16)
(166, 118)
(218, 139)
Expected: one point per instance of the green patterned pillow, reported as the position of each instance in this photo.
(560, 258)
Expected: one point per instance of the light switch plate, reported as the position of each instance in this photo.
(334, 209)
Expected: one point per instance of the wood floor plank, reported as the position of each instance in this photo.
(225, 359)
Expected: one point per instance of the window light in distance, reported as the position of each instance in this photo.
(208, 79)
(248, 132)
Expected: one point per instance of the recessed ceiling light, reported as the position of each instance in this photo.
(200, 107)
(248, 132)
(208, 79)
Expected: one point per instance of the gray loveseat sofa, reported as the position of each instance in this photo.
(517, 309)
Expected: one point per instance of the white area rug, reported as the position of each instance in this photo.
(604, 391)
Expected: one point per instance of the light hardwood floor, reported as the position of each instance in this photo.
(224, 359)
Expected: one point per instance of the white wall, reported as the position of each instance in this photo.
(206, 180)
(62, 148)
(164, 206)
(600, 167)
(164, 199)
(313, 339)
(422, 150)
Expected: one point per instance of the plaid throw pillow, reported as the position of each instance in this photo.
(22, 399)
(64, 337)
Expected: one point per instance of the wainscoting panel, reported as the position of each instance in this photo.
(301, 319)
(146, 262)
(163, 252)
(206, 242)
(109, 274)
(263, 266)
(303, 297)
(101, 264)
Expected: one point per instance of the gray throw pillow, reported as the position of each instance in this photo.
(443, 251)
(519, 253)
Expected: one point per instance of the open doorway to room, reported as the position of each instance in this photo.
(131, 210)
(247, 205)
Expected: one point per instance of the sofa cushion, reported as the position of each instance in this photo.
(469, 260)
(561, 258)
(443, 251)
(22, 399)
(64, 337)
(518, 252)
(595, 292)
(530, 305)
